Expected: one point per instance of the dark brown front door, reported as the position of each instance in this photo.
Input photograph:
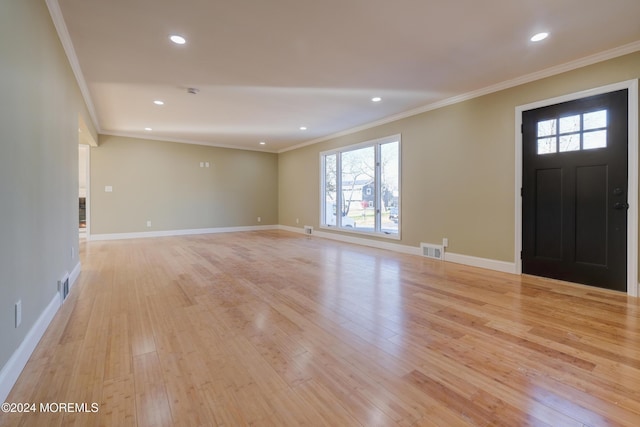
(574, 195)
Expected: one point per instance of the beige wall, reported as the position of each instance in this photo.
(163, 182)
(458, 165)
(39, 109)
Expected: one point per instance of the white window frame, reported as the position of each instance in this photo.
(377, 144)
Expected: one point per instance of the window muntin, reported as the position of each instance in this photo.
(330, 181)
(361, 187)
(584, 131)
(389, 186)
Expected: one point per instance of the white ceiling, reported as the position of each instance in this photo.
(266, 67)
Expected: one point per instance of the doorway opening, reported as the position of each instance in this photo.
(83, 190)
(86, 140)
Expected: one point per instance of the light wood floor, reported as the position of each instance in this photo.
(280, 329)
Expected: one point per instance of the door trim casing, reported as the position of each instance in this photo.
(632, 179)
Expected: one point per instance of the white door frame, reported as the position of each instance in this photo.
(632, 184)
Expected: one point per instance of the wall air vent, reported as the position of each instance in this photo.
(63, 287)
(432, 251)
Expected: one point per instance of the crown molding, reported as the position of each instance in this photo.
(67, 44)
(184, 141)
(528, 78)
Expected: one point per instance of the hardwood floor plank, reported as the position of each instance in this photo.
(225, 407)
(323, 406)
(273, 328)
(140, 331)
(151, 401)
(118, 403)
(118, 359)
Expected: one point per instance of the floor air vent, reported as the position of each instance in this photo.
(63, 287)
(432, 251)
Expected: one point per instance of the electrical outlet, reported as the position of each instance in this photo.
(18, 313)
(297, 220)
(445, 242)
(148, 223)
(259, 219)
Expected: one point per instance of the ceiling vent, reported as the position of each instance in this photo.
(432, 251)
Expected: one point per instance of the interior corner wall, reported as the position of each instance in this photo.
(458, 165)
(38, 167)
(164, 183)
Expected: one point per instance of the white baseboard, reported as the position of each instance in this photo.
(490, 264)
(358, 241)
(74, 275)
(18, 360)
(12, 369)
(189, 232)
(291, 229)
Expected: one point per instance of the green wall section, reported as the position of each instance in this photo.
(163, 182)
(40, 104)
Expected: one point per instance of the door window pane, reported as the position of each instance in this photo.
(546, 145)
(595, 139)
(567, 132)
(595, 120)
(570, 142)
(570, 124)
(547, 128)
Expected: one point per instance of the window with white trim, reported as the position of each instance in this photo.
(360, 187)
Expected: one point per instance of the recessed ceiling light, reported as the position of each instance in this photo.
(178, 39)
(540, 36)
(148, 129)
(303, 128)
(376, 99)
(262, 143)
(158, 102)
